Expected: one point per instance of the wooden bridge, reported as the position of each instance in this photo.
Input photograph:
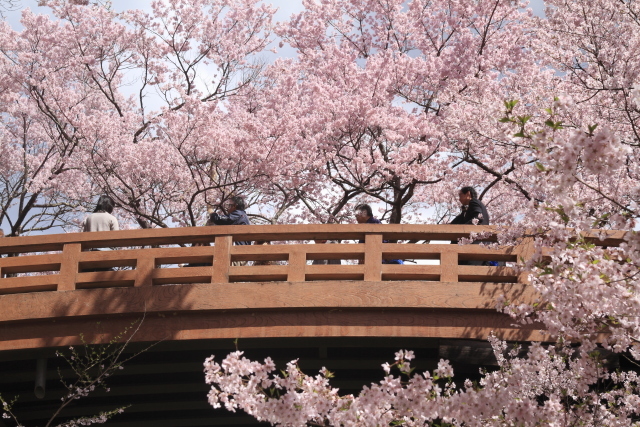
(349, 318)
(49, 293)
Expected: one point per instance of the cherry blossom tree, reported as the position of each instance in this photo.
(393, 98)
(400, 103)
(130, 105)
(588, 299)
(173, 110)
(574, 164)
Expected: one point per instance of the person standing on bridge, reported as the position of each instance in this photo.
(101, 218)
(472, 208)
(473, 212)
(236, 215)
(364, 215)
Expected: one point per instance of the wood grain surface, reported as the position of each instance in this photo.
(437, 323)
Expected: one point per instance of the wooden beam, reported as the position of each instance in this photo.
(269, 295)
(373, 257)
(449, 266)
(29, 284)
(221, 259)
(435, 323)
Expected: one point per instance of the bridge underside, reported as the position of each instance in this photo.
(165, 384)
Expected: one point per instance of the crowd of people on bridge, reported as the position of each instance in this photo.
(473, 211)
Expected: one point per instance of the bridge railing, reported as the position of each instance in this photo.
(138, 258)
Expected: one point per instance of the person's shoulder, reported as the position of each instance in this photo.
(114, 223)
(239, 216)
(475, 203)
(374, 220)
(458, 219)
(105, 216)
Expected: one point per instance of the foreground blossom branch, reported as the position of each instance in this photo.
(541, 388)
(92, 366)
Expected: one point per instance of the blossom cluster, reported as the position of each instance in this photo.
(551, 385)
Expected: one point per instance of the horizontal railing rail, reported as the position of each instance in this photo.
(137, 258)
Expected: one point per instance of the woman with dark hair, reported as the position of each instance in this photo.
(101, 218)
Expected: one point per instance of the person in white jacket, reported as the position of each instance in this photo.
(101, 218)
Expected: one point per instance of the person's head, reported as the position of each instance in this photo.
(1, 232)
(105, 204)
(466, 195)
(363, 212)
(235, 203)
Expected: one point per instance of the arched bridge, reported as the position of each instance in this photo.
(187, 284)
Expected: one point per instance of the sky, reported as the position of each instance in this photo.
(285, 8)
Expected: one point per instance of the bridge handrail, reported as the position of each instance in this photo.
(74, 266)
(185, 235)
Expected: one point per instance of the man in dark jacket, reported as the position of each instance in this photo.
(236, 215)
(472, 209)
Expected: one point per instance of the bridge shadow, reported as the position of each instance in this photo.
(114, 293)
(511, 292)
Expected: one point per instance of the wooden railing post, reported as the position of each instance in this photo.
(449, 266)
(144, 271)
(373, 257)
(297, 266)
(221, 259)
(527, 248)
(69, 266)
